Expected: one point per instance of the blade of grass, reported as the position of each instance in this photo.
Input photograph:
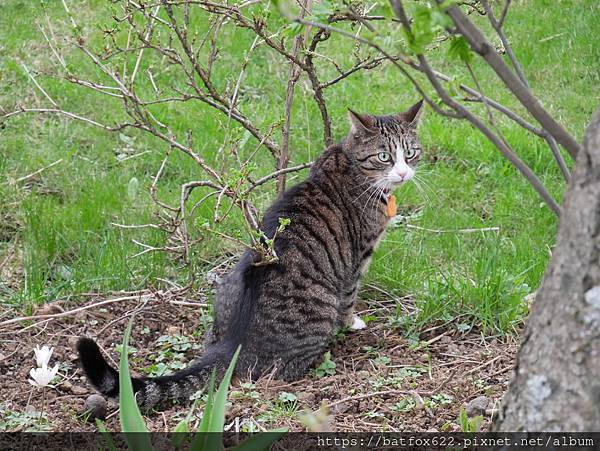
(217, 419)
(201, 436)
(209, 436)
(132, 422)
(182, 430)
(110, 445)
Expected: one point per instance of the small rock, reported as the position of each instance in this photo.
(477, 406)
(95, 407)
(306, 397)
(72, 342)
(341, 407)
(454, 349)
(445, 340)
(77, 390)
(48, 309)
(173, 330)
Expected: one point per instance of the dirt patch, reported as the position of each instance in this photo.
(376, 379)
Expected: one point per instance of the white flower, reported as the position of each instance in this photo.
(42, 356)
(42, 376)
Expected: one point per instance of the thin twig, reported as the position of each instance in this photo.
(72, 312)
(33, 174)
(294, 74)
(473, 230)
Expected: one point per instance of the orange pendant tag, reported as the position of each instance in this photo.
(391, 206)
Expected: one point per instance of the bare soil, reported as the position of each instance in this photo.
(381, 381)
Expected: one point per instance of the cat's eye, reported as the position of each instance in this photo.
(384, 157)
(410, 153)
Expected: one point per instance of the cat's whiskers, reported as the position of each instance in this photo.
(372, 185)
(380, 194)
(373, 195)
(423, 183)
(381, 186)
(420, 189)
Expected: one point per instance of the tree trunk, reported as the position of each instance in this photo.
(556, 385)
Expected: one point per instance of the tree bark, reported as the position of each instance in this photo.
(556, 385)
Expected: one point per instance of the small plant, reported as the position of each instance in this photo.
(438, 400)
(286, 397)
(404, 405)
(327, 367)
(171, 355)
(248, 391)
(382, 361)
(29, 421)
(469, 424)
(341, 333)
(442, 399)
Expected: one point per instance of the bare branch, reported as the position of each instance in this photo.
(393, 59)
(500, 143)
(369, 63)
(320, 36)
(68, 114)
(500, 31)
(37, 85)
(276, 174)
(481, 46)
(294, 75)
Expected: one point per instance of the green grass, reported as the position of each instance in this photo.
(59, 222)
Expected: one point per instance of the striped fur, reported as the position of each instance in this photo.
(284, 314)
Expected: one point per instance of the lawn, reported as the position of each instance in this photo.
(58, 235)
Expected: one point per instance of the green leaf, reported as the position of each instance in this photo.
(209, 435)
(293, 29)
(261, 441)
(200, 438)
(106, 435)
(459, 49)
(438, 17)
(287, 397)
(132, 188)
(129, 413)
(245, 137)
(448, 3)
(323, 10)
(421, 32)
(217, 417)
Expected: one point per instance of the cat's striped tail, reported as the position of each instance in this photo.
(151, 392)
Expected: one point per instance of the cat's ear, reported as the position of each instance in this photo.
(361, 123)
(413, 114)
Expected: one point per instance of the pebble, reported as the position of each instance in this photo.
(95, 407)
(77, 390)
(72, 342)
(306, 397)
(341, 407)
(173, 330)
(477, 406)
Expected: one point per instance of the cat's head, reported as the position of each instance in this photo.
(386, 149)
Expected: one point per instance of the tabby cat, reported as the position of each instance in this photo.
(284, 314)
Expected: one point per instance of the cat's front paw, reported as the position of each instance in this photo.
(357, 323)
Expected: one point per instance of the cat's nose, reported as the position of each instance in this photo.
(401, 172)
